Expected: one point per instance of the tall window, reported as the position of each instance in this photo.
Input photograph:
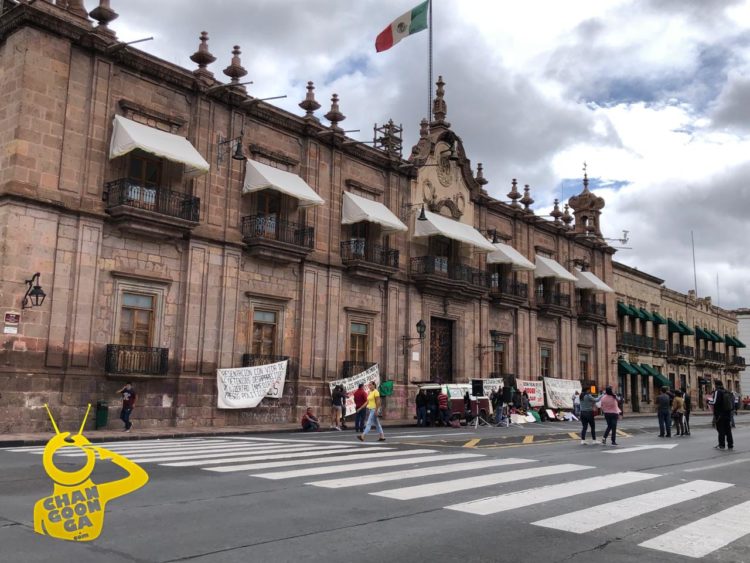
(358, 342)
(672, 379)
(264, 333)
(683, 381)
(583, 365)
(545, 361)
(269, 206)
(145, 170)
(645, 396)
(136, 319)
(499, 362)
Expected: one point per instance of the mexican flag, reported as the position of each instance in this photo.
(411, 22)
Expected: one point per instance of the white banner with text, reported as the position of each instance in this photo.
(560, 392)
(245, 388)
(535, 390)
(352, 383)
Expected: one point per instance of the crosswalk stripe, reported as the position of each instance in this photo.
(369, 455)
(328, 469)
(703, 536)
(463, 484)
(414, 473)
(333, 451)
(595, 517)
(520, 499)
(122, 445)
(176, 456)
(188, 450)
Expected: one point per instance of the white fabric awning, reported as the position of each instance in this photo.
(127, 135)
(259, 176)
(587, 280)
(506, 254)
(548, 268)
(357, 209)
(439, 225)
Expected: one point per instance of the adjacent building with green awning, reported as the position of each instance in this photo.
(658, 319)
(702, 334)
(644, 314)
(660, 379)
(686, 330)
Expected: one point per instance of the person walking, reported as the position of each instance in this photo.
(360, 400)
(687, 405)
(735, 406)
(588, 404)
(128, 404)
(678, 412)
(421, 402)
(611, 410)
(662, 412)
(337, 401)
(373, 407)
(723, 405)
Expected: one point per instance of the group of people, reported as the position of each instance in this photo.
(587, 404)
(368, 410)
(433, 409)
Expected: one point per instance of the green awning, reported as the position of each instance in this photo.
(701, 334)
(673, 326)
(658, 318)
(648, 316)
(624, 366)
(626, 310)
(639, 313)
(640, 369)
(661, 379)
(739, 342)
(717, 336)
(686, 330)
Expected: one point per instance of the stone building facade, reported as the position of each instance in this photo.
(669, 338)
(165, 256)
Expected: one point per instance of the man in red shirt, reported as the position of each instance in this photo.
(445, 414)
(128, 402)
(310, 422)
(360, 398)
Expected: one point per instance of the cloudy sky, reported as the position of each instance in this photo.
(653, 94)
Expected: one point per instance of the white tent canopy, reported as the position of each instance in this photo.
(506, 254)
(127, 135)
(587, 280)
(439, 225)
(357, 209)
(548, 268)
(259, 176)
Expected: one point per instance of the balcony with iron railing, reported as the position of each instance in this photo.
(660, 345)
(552, 302)
(350, 368)
(506, 291)
(276, 240)
(365, 259)
(136, 360)
(438, 274)
(735, 362)
(679, 352)
(591, 311)
(631, 340)
(710, 357)
(150, 210)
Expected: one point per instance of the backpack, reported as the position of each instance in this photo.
(727, 401)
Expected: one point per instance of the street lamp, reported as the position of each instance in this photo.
(421, 329)
(35, 295)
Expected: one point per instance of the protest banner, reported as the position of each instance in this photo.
(351, 383)
(491, 384)
(535, 390)
(245, 388)
(560, 392)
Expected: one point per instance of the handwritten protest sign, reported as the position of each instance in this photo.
(535, 390)
(491, 384)
(351, 383)
(560, 392)
(244, 388)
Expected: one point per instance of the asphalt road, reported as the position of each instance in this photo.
(531, 493)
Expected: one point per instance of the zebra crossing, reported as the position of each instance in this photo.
(427, 473)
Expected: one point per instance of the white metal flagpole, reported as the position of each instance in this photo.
(429, 77)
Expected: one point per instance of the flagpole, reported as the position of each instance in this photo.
(429, 77)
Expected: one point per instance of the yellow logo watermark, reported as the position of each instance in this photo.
(75, 509)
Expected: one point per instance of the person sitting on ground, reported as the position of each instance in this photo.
(310, 422)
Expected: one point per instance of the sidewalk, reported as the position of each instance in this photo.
(701, 418)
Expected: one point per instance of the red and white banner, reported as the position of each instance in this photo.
(352, 383)
(535, 390)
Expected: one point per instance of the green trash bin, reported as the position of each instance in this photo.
(102, 414)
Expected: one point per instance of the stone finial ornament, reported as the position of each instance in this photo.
(424, 128)
(567, 218)
(310, 104)
(556, 213)
(334, 115)
(587, 209)
(527, 200)
(235, 70)
(203, 57)
(481, 180)
(439, 107)
(104, 14)
(76, 7)
(514, 194)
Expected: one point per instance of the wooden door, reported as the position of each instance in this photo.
(441, 350)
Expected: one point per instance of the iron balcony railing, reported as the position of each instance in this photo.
(711, 356)
(270, 227)
(736, 361)
(660, 345)
(552, 298)
(592, 308)
(349, 368)
(441, 266)
(637, 341)
(158, 200)
(504, 286)
(367, 251)
(251, 360)
(137, 360)
(680, 350)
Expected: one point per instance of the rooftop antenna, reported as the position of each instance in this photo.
(695, 274)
